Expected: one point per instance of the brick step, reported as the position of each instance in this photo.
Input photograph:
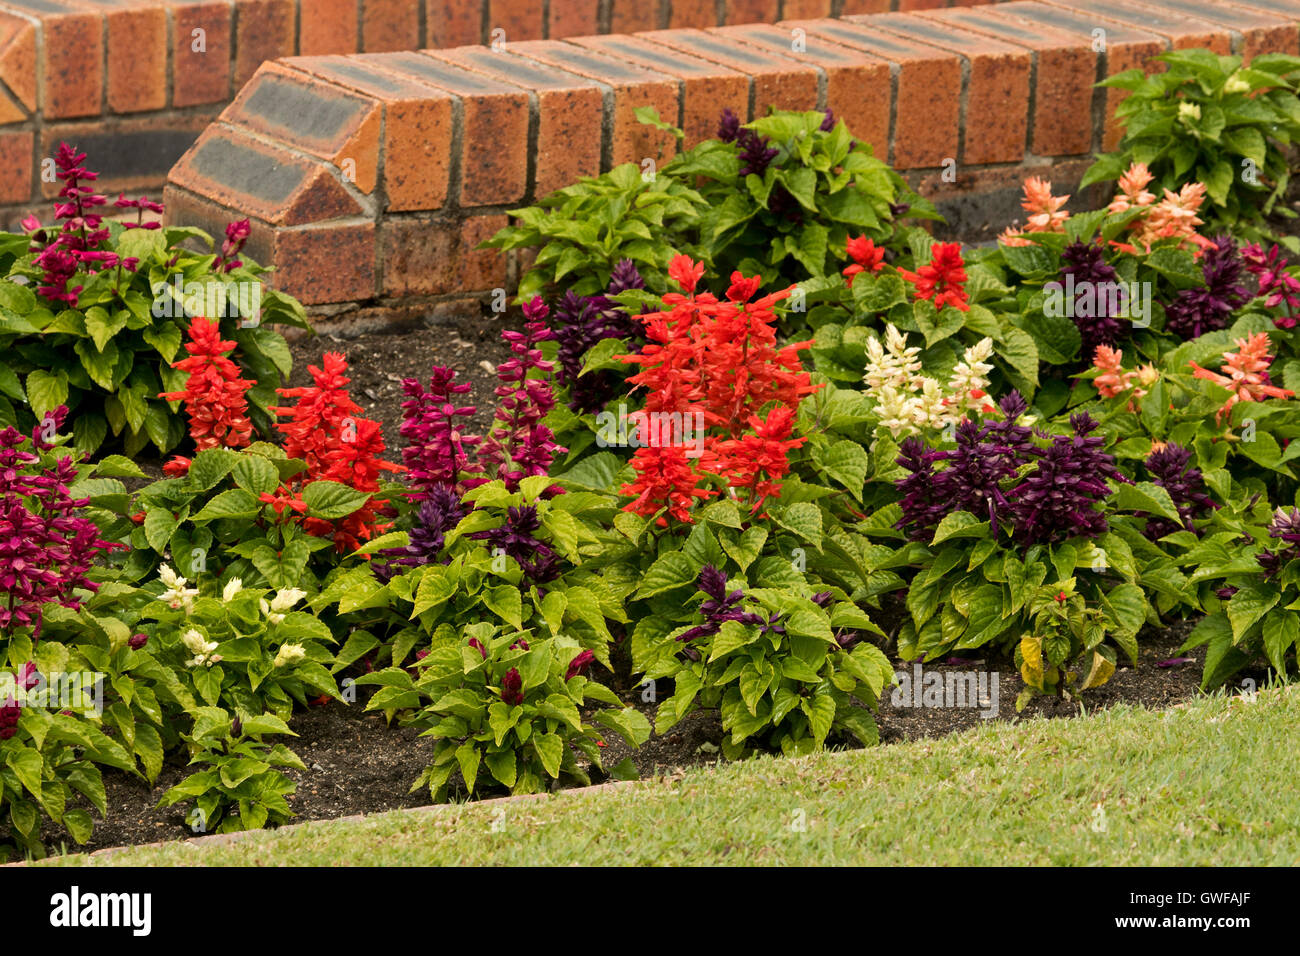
(133, 82)
(372, 177)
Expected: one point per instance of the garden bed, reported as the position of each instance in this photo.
(359, 764)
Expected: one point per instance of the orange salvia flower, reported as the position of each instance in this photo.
(1247, 374)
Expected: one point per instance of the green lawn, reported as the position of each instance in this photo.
(1209, 783)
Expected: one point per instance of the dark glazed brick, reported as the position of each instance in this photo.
(1183, 32)
(1260, 32)
(128, 155)
(318, 117)
(265, 181)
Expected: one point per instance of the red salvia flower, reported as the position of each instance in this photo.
(214, 395)
(866, 256)
(943, 279)
(759, 461)
(327, 431)
(664, 479)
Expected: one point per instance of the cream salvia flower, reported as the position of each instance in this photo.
(289, 654)
(1235, 84)
(177, 594)
(201, 648)
(907, 402)
(284, 599)
(1189, 111)
(233, 587)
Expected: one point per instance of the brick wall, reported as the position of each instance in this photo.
(134, 81)
(371, 178)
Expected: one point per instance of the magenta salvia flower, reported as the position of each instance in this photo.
(1170, 468)
(46, 550)
(1276, 286)
(237, 234)
(512, 688)
(580, 664)
(437, 450)
(141, 206)
(1058, 499)
(519, 446)
(9, 714)
(75, 247)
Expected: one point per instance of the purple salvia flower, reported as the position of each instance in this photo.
(516, 539)
(1169, 468)
(1086, 262)
(1209, 308)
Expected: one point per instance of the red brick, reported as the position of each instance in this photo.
(812, 9)
(417, 128)
(700, 14)
(417, 257)
(1065, 67)
(851, 7)
(569, 112)
(519, 19)
(629, 16)
(390, 25)
(857, 83)
(137, 59)
(573, 18)
(232, 168)
(1261, 32)
(454, 23)
(18, 58)
(910, 5)
(264, 30)
(707, 88)
(328, 26)
(333, 262)
(750, 11)
(494, 126)
(927, 113)
(10, 110)
(631, 85)
(1184, 33)
(16, 166)
(778, 81)
(201, 76)
(316, 117)
(1126, 48)
(997, 91)
(73, 43)
(480, 268)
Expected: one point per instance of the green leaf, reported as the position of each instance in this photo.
(235, 503)
(959, 524)
(1248, 605)
(46, 391)
(804, 519)
(846, 462)
(1281, 632)
(671, 570)
(504, 601)
(332, 500)
(550, 749)
(102, 326)
(1147, 497)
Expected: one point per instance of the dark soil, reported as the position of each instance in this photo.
(378, 361)
(359, 764)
